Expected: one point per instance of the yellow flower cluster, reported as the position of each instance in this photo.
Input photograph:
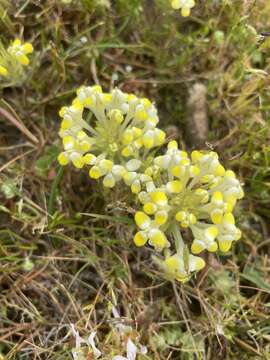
(118, 138)
(14, 58)
(20, 51)
(181, 196)
(184, 5)
(188, 192)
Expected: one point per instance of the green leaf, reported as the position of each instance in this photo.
(255, 277)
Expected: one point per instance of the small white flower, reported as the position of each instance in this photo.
(132, 351)
(91, 342)
(79, 341)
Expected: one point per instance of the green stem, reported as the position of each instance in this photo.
(55, 184)
(179, 242)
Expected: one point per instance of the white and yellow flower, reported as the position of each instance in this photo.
(13, 60)
(175, 267)
(184, 5)
(193, 192)
(149, 232)
(20, 51)
(123, 127)
(176, 191)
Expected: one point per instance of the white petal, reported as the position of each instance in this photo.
(150, 186)
(133, 164)
(91, 342)
(76, 334)
(131, 350)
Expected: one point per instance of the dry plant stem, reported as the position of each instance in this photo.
(15, 159)
(178, 300)
(18, 125)
(197, 122)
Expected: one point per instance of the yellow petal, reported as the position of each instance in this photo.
(197, 247)
(142, 220)
(158, 239)
(3, 71)
(174, 187)
(23, 59)
(95, 172)
(224, 246)
(140, 239)
(149, 208)
(63, 159)
(180, 216)
(161, 217)
(159, 197)
(17, 42)
(28, 48)
(109, 181)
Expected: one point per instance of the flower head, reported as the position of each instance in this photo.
(13, 60)
(20, 51)
(122, 129)
(196, 193)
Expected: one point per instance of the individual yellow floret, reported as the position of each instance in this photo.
(116, 115)
(219, 170)
(148, 139)
(3, 71)
(216, 216)
(158, 239)
(109, 181)
(127, 151)
(19, 51)
(180, 216)
(178, 171)
(150, 208)
(89, 159)
(63, 159)
(161, 217)
(106, 165)
(136, 187)
(194, 171)
(127, 137)
(184, 5)
(174, 187)
(77, 160)
(27, 48)
(172, 145)
(95, 172)
(142, 220)
(140, 239)
(159, 197)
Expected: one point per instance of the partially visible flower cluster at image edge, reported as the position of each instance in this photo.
(184, 5)
(14, 57)
(185, 202)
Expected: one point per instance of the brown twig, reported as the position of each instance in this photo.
(19, 125)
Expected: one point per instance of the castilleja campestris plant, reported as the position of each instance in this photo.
(193, 198)
(185, 203)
